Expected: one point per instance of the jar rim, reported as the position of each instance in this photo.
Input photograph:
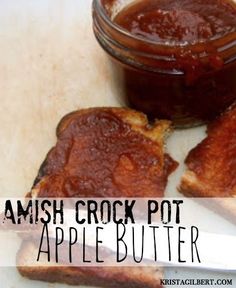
(97, 5)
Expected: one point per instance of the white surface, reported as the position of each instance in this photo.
(50, 64)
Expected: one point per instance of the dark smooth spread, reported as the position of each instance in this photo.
(187, 72)
(178, 20)
(99, 155)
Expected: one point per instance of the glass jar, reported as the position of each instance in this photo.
(189, 84)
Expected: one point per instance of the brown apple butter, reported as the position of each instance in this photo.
(173, 59)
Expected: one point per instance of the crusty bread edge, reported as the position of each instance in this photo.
(106, 277)
(137, 120)
(191, 186)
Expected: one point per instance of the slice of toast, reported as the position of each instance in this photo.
(106, 152)
(103, 152)
(107, 277)
(212, 164)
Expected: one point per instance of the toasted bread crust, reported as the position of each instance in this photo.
(108, 277)
(211, 165)
(73, 276)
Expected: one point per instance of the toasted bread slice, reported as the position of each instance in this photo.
(107, 277)
(212, 164)
(103, 152)
(106, 152)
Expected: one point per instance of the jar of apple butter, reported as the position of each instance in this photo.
(172, 59)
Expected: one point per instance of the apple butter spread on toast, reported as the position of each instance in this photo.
(102, 152)
(106, 152)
